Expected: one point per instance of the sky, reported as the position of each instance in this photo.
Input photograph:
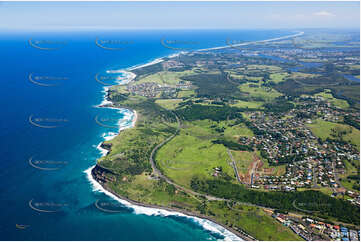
(178, 15)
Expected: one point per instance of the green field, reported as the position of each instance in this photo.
(223, 90)
(243, 160)
(327, 95)
(265, 68)
(245, 104)
(165, 77)
(324, 129)
(170, 104)
(254, 221)
(191, 153)
(150, 191)
(352, 169)
(236, 131)
(278, 77)
(258, 91)
(186, 93)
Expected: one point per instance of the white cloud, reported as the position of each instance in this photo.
(324, 13)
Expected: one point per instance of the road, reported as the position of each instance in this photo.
(234, 166)
(159, 174)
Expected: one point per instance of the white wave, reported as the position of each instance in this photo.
(177, 54)
(104, 101)
(126, 77)
(155, 61)
(103, 151)
(206, 224)
(128, 120)
(109, 136)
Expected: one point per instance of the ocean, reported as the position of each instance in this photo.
(50, 134)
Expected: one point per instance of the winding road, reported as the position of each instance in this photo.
(159, 174)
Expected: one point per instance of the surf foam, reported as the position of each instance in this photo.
(206, 224)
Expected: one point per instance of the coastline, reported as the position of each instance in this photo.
(208, 224)
(161, 59)
(140, 208)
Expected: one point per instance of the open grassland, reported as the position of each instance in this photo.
(236, 131)
(324, 129)
(165, 77)
(208, 128)
(192, 153)
(351, 93)
(351, 178)
(254, 221)
(301, 75)
(278, 77)
(259, 92)
(237, 75)
(170, 104)
(130, 150)
(327, 95)
(264, 68)
(276, 170)
(186, 94)
(243, 161)
(144, 189)
(245, 104)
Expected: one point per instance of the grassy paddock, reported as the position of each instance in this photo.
(324, 129)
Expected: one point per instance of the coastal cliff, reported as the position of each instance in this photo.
(101, 175)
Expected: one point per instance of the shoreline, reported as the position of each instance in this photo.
(161, 59)
(207, 223)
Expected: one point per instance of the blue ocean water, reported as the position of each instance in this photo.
(67, 62)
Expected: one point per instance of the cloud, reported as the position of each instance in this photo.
(324, 13)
